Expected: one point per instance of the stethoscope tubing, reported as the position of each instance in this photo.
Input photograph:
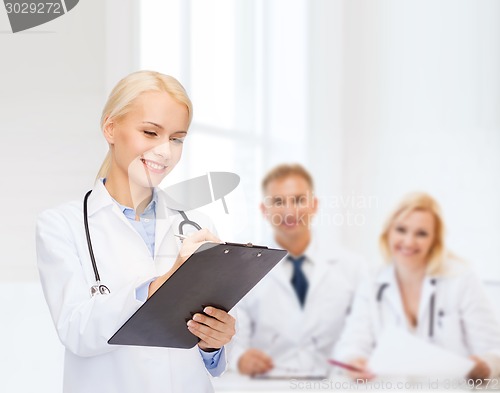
(99, 288)
(87, 234)
(185, 221)
(432, 304)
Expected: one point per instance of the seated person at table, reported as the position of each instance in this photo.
(290, 321)
(423, 290)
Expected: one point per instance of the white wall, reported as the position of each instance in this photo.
(52, 90)
(405, 96)
(53, 82)
(324, 129)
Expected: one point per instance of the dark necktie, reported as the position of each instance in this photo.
(299, 280)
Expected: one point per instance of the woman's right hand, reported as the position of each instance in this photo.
(364, 373)
(254, 362)
(189, 245)
(481, 369)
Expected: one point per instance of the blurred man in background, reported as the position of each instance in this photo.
(289, 323)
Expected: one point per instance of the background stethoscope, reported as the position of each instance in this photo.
(432, 304)
(99, 288)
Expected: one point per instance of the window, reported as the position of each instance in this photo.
(243, 66)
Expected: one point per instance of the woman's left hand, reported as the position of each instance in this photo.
(214, 330)
(481, 369)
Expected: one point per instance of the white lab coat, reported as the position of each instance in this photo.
(270, 317)
(463, 321)
(85, 323)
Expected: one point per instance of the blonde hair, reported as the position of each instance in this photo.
(285, 170)
(129, 89)
(419, 201)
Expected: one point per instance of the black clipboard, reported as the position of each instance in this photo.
(216, 275)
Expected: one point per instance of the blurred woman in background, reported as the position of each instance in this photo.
(423, 290)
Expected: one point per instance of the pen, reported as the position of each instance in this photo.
(334, 362)
(182, 237)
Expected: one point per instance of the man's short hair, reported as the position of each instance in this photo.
(285, 170)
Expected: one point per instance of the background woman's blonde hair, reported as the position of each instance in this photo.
(418, 201)
(132, 86)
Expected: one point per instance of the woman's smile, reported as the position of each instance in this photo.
(154, 166)
(407, 251)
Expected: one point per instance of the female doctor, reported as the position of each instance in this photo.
(423, 291)
(145, 122)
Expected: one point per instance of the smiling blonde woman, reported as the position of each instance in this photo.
(145, 122)
(423, 290)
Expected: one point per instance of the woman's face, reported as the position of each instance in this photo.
(289, 205)
(147, 142)
(411, 238)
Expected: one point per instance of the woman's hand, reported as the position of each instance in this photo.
(481, 369)
(214, 330)
(217, 327)
(364, 373)
(189, 245)
(254, 362)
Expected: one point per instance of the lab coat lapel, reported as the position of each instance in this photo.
(428, 289)
(100, 199)
(281, 277)
(292, 331)
(391, 295)
(320, 268)
(279, 274)
(319, 274)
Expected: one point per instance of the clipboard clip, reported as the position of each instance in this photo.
(250, 245)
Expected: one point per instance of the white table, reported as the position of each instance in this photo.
(231, 382)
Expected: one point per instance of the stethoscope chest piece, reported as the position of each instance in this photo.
(99, 289)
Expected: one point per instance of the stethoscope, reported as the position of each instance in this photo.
(432, 304)
(101, 289)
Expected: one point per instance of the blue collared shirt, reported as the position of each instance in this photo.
(146, 228)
